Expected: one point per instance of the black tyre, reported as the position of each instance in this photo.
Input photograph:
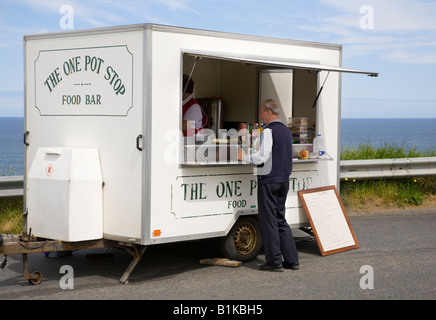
(244, 241)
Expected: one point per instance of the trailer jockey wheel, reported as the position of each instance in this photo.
(36, 278)
(243, 242)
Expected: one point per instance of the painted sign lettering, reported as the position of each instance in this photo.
(84, 81)
(194, 196)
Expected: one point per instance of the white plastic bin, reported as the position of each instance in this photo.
(64, 189)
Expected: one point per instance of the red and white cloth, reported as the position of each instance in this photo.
(192, 111)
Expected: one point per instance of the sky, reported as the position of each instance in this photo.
(396, 38)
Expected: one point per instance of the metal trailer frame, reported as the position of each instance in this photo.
(26, 244)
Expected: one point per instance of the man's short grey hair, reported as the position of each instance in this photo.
(272, 105)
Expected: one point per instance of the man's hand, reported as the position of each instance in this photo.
(241, 154)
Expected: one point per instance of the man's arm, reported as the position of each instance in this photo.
(265, 149)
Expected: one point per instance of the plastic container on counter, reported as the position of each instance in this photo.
(319, 145)
(298, 127)
(298, 123)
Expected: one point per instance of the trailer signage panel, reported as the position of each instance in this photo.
(93, 81)
(194, 196)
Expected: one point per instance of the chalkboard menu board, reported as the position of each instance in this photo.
(328, 220)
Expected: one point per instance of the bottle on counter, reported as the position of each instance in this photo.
(254, 137)
(319, 145)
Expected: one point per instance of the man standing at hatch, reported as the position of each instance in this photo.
(274, 161)
(192, 110)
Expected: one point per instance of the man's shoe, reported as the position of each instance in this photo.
(293, 266)
(267, 267)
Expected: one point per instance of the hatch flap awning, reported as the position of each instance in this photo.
(273, 61)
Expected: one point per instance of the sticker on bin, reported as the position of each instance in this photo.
(49, 170)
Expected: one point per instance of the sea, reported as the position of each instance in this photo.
(11, 146)
(406, 133)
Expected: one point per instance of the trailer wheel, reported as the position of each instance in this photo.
(36, 278)
(244, 241)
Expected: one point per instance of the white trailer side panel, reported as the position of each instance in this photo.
(85, 90)
(206, 215)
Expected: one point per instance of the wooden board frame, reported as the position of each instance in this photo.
(323, 206)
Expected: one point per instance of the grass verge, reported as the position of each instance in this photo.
(11, 215)
(386, 193)
(387, 151)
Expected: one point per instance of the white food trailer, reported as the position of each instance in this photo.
(105, 159)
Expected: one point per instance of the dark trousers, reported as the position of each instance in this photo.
(276, 234)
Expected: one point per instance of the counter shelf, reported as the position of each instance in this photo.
(222, 156)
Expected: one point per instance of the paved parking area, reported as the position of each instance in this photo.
(397, 258)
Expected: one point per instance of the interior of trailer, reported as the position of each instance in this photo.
(237, 88)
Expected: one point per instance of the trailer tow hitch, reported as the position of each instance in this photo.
(26, 244)
(33, 278)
